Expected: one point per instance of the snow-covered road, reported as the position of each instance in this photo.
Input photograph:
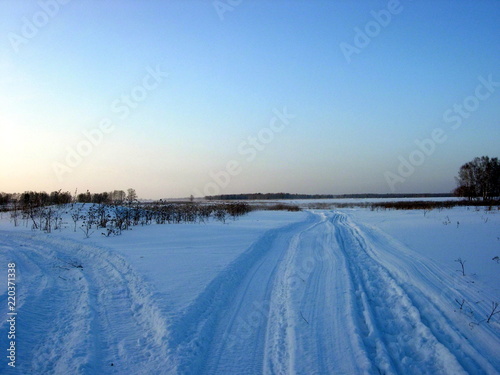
(325, 295)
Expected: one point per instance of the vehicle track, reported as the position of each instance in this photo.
(335, 300)
(85, 310)
(403, 330)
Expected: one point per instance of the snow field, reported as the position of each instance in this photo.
(318, 292)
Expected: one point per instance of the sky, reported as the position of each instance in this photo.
(180, 98)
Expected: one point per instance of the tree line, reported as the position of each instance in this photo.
(289, 196)
(41, 198)
(36, 198)
(112, 197)
(479, 179)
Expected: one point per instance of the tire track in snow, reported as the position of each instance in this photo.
(82, 320)
(398, 338)
(434, 292)
(280, 337)
(311, 329)
(223, 330)
(51, 312)
(285, 318)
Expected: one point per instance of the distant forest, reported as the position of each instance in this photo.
(275, 196)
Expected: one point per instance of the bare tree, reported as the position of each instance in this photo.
(14, 213)
(131, 195)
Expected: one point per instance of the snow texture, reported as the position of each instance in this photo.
(316, 292)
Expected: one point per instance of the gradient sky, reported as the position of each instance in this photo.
(227, 70)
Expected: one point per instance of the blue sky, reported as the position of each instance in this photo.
(185, 86)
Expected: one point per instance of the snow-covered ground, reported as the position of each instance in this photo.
(316, 292)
